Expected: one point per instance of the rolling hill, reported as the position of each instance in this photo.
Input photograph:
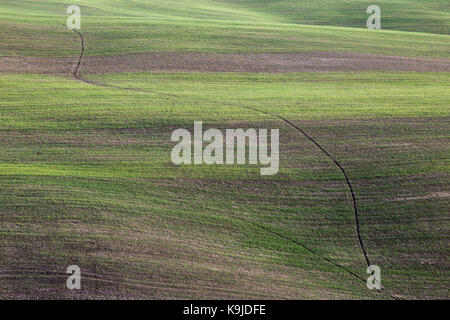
(86, 176)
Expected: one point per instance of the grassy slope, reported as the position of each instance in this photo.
(101, 165)
(35, 28)
(408, 15)
(86, 178)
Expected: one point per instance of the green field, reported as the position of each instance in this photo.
(37, 28)
(86, 176)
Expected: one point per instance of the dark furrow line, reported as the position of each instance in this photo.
(325, 258)
(81, 78)
(81, 54)
(349, 184)
(347, 179)
(80, 58)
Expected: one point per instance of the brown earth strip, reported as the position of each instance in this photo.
(234, 62)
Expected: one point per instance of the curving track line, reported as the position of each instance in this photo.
(349, 184)
(77, 75)
(296, 127)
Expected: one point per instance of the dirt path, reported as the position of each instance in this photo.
(233, 62)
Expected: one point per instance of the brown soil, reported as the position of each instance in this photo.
(36, 65)
(207, 62)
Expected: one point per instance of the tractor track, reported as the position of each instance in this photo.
(77, 76)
